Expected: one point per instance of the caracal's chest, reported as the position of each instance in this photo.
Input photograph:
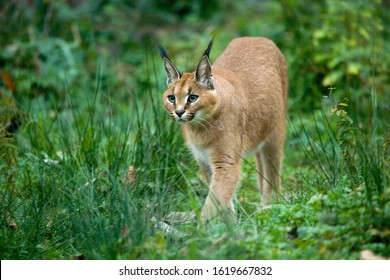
(200, 153)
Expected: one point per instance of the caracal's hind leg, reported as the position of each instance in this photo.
(260, 171)
(271, 160)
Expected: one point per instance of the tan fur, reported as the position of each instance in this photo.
(240, 110)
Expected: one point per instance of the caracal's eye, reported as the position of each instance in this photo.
(192, 98)
(171, 98)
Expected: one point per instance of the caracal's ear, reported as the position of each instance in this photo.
(203, 73)
(172, 73)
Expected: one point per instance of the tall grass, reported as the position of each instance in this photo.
(351, 175)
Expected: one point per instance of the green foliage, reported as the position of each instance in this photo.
(91, 165)
(342, 45)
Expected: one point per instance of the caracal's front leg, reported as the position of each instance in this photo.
(226, 174)
(205, 172)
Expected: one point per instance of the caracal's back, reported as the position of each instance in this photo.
(260, 66)
(258, 63)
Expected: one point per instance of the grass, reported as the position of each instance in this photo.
(65, 194)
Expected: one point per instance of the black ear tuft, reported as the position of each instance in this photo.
(207, 51)
(164, 56)
(163, 52)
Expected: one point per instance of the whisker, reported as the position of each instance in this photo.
(204, 120)
(198, 121)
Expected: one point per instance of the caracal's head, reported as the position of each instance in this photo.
(191, 97)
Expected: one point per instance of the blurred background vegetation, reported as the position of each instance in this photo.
(328, 44)
(80, 101)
